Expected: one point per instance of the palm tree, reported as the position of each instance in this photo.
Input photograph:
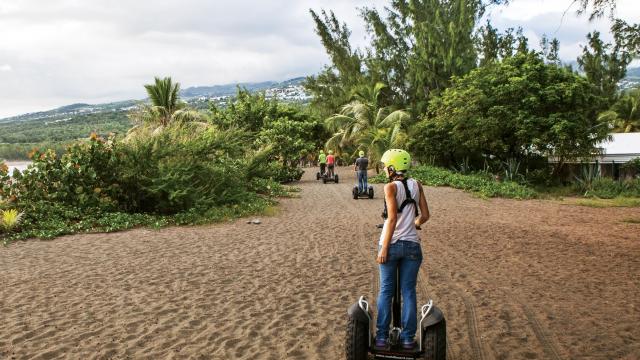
(367, 126)
(166, 106)
(625, 113)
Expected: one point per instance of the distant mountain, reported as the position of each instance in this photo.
(231, 89)
(192, 95)
(71, 110)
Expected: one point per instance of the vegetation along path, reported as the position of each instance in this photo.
(516, 280)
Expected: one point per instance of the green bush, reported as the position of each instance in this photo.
(606, 188)
(83, 177)
(634, 166)
(482, 184)
(107, 185)
(168, 173)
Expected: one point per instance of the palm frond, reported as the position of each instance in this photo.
(396, 117)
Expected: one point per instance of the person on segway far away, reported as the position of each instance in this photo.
(360, 167)
(322, 159)
(331, 162)
(399, 252)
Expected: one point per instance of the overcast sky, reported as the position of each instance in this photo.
(58, 52)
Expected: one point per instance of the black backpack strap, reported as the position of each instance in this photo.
(408, 200)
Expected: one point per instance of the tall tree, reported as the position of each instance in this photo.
(439, 37)
(332, 86)
(493, 46)
(604, 65)
(488, 43)
(550, 49)
(628, 35)
(416, 46)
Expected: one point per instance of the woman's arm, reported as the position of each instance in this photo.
(392, 218)
(424, 207)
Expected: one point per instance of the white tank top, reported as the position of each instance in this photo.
(405, 226)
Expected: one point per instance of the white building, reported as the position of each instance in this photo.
(611, 156)
(622, 148)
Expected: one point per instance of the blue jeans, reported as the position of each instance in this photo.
(362, 181)
(406, 256)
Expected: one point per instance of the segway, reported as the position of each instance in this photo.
(320, 174)
(326, 178)
(365, 194)
(431, 334)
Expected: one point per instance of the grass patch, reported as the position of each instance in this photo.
(605, 203)
(632, 221)
(480, 184)
(65, 220)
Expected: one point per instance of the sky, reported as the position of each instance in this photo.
(59, 52)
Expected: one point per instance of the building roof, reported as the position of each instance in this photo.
(621, 148)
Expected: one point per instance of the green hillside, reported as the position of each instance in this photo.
(17, 137)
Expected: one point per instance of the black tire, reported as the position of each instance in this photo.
(371, 193)
(317, 176)
(354, 193)
(356, 342)
(335, 178)
(434, 342)
(324, 180)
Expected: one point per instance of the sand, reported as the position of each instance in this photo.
(516, 280)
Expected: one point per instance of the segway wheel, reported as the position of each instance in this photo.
(354, 193)
(356, 342)
(324, 180)
(370, 192)
(434, 342)
(318, 176)
(335, 178)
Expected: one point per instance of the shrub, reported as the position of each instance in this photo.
(82, 177)
(606, 188)
(479, 183)
(175, 170)
(633, 166)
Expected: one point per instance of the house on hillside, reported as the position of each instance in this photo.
(612, 155)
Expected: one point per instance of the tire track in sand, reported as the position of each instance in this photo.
(549, 347)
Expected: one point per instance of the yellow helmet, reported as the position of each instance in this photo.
(330, 151)
(396, 159)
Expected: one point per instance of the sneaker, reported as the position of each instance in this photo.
(408, 344)
(381, 343)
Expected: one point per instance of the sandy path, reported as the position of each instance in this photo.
(516, 279)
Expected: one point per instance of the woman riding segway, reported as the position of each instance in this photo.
(399, 252)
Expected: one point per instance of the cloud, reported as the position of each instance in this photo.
(65, 51)
(5, 67)
(92, 51)
(558, 19)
